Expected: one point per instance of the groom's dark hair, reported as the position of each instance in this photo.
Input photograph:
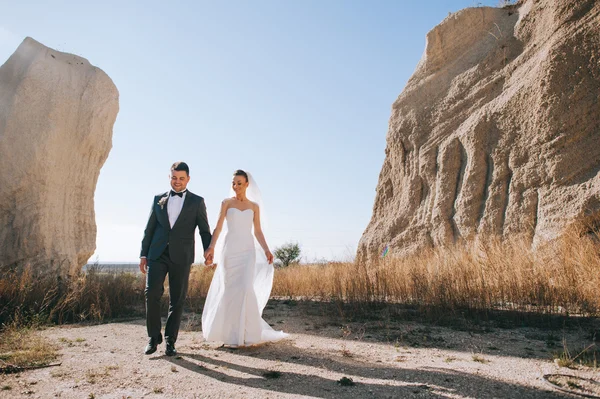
(181, 166)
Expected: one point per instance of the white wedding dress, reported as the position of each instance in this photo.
(240, 288)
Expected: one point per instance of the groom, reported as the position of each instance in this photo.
(168, 248)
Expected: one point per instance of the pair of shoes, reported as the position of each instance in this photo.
(152, 345)
(170, 349)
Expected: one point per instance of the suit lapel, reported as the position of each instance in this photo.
(163, 211)
(186, 203)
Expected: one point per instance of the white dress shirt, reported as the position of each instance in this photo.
(174, 207)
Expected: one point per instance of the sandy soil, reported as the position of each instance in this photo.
(384, 359)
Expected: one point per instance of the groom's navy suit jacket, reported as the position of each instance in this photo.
(180, 238)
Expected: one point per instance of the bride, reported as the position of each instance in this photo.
(242, 282)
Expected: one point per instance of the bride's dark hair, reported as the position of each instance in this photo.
(240, 172)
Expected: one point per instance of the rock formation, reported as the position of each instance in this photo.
(496, 133)
(57, 113)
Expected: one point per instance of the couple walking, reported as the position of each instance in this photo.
(243, 278)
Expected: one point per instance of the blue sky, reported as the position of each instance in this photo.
(297, 92)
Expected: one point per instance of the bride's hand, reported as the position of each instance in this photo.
(269, 256)
(208, 256)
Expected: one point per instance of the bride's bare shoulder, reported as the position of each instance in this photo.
(254, 205)
(227, 202)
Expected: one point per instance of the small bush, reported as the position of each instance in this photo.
(287, 254)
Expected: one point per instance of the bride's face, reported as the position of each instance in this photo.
(239, 184)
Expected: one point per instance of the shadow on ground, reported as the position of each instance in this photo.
(505, 333)
(379, 380)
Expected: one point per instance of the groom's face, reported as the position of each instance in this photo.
(179, 180)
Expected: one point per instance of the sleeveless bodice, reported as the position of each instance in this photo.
(239, 222)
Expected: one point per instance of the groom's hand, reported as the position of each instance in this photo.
(143, 265)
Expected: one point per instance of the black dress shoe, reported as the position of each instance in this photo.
(170, 350)
(152, 344)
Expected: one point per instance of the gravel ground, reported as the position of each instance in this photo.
(323, 358)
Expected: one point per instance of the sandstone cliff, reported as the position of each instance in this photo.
(56, 118)
(496, 133)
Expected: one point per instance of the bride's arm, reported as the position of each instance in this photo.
(210, 251)
(260, 237)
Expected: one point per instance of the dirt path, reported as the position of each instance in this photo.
(383, 359)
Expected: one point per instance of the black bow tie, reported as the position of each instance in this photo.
(180, 194)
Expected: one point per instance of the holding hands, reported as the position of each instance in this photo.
(209, 255)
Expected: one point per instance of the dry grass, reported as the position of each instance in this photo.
(561, 278)
(200, 278)
(479, 359)
(30, 300)
(35, 299)
(572, 358)
(22, 347)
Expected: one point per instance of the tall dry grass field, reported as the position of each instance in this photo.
(27, 297)
(560, 278)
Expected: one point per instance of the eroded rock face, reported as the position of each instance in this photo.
(496, 133)
(57, 113)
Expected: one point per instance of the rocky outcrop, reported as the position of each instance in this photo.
(497, 132)
(57, 113)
